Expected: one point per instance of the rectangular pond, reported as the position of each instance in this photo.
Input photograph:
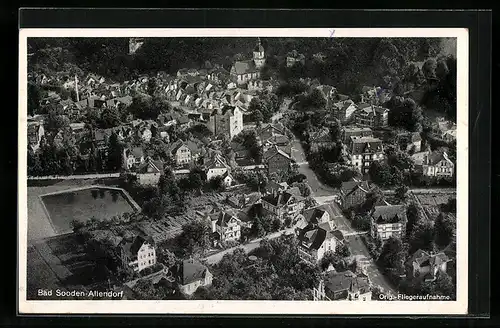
(84, 204)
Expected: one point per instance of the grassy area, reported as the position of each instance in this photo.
(63, 263)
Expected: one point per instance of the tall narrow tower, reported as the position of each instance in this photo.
(259, 55)
(76, 88)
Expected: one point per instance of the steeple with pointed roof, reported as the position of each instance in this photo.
(259, 55)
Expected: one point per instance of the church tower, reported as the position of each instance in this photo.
(259, 55)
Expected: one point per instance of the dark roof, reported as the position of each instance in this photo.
(273, 151)
(157, 166)
(313, 215)
(336, 282)
(349, 187)
(224, 218)
(423, 258)
(366, 144)
(283, 197)
(132, 247)
(389, 213)
(190, 271)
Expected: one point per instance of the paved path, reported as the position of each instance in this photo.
(319, 189)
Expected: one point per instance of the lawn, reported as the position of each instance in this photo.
(61, 262)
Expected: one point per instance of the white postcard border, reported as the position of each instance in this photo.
(256, 307)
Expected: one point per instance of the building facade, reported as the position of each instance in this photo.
(138, 254)
(364, 151)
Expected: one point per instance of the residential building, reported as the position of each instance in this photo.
(273, 187)
(277, 160)
(321, 138)
(316, 239)
(133, 157)
(191, 275)
(286, 203)
(184, 152)
(436, 164)
(293, 57)
(138, 253)
(388, 221)
(226, 121)
(35, 135)
(355, 132)
(246, 70)
(269, 130)
(149, 172)
(372, 116)
(316, 215)
(216, 167)
(344, 110)
(227, 179)
(364, 151)
(227, 227)
(447, 130)
(279, 140)
(411, 142)
(426, 266)
(337, 286)
(353, 193)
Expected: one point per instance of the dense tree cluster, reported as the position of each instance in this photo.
(277, 274)
(249, 140)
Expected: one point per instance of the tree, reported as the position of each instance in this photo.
(334, 259)
(413, 218)
(195, 237)
(444, 285)
(115, 154)
(110, 117)
(342, 250)
(444, 228)
(33, 98)
(401, 192)
(393, 254)
(422, 237)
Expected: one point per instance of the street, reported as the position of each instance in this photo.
(325, 195)
(253, 244)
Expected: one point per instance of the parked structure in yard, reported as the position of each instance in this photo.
(388, 221)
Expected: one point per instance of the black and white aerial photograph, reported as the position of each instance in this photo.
(241, 168)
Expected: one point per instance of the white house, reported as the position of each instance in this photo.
(191, 275)
(138, 254)
(216, 167)
(149, 172)
(437, 164)
(388, 221)
(228, 227)
(316, 239)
